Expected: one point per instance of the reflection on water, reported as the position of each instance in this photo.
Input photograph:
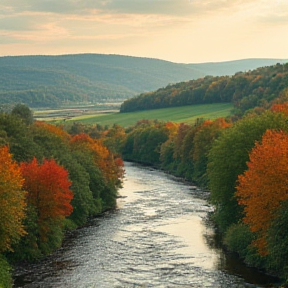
(156, 238)
(190, 231)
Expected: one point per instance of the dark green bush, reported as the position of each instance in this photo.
(5, 276)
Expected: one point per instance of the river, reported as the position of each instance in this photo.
(157, 237)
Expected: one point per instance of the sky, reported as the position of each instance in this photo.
(182, 31)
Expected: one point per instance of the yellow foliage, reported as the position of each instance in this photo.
(12, 201)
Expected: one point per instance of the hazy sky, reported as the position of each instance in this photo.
(187, 31)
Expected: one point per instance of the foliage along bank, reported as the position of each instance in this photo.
(242, 161)
(244, 164)
(50, 182)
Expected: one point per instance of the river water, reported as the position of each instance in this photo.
(157, 237)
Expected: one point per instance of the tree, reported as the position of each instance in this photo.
(227, 159)
(263, 186)
(18, 135)
(114, 138)
(102, 157)
(24, 113)
(278, 241)
(108, 172)
(48, 190)
(283, 108)
(12, 201)
(202, 142)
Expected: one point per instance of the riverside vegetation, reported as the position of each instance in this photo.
(242, 159)
(243, 162)
(50, 182)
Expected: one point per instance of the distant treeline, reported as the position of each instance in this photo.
(256, 88)
(50, 81)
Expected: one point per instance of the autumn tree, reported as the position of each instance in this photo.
(12, 201)
(227, 159)
(184, 146)
(110, 168)
(283, 108)
(114, 138)
(49, 192)
(263, 186)
(202, 142)
(99, 152)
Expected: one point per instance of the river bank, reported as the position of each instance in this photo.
(158, 236)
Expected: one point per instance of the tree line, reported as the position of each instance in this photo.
(50, 182)
(242, 161)
(246, 90)
(244, 164)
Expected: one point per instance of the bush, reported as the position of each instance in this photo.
(238, 238)
(278, 242)
(5, 276)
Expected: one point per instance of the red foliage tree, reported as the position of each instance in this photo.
(48, 190)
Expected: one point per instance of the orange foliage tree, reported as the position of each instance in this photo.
(104, 160)
(56, 130)
(12, 201)
(263, 186)
(283, 108)
(48, 191)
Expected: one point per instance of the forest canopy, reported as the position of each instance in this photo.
(256, 88)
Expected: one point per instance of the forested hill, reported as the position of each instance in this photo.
(245, 90)
(55, 80)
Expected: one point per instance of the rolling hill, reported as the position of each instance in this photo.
(245, 90)
(51, 81)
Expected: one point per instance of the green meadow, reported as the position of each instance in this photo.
(184, 114)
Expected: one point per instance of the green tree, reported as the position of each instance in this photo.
(227, 159)
(5, 275)
(278, 242)
(24, 113)
(202, 142)
(18, 136)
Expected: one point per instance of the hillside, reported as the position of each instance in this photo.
(245, 90)
(232, 67)
(51, 81)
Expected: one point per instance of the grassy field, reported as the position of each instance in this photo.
(185, 114)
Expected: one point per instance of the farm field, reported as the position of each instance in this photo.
(184, 114)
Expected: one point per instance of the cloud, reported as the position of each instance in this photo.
(175, 8)
(170, 7)
(124, 26)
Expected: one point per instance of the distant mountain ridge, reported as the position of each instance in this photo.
(55, 80)
(232, 67)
